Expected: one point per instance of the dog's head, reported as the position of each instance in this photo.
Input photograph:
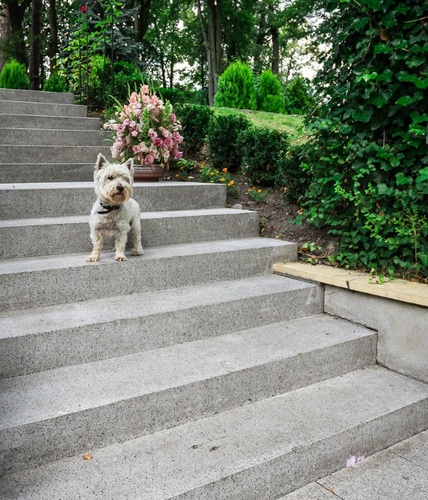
(113, 181)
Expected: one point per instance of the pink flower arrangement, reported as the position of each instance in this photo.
(146, 130)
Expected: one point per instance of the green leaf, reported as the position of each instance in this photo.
(407, 100)
(362, 115)
(382, 48)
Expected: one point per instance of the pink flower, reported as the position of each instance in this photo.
(149, 159)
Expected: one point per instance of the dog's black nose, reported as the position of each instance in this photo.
(120, 188)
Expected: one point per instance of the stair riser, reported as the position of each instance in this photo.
(47, 137)
(41, 109)
(45, 172)
(52, 154)
(137, 274)
(68, 238)
(20, 202)
(49, 122)
(56, 438)
(306, 464)
(36, 96)
(46, 351)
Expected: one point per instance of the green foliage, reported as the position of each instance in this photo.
(236, 88)
(14, 76)
(258, 195)
(195, 120)
(295, 174)
(223, 134)
(219, 176)
(298, 96)
(110, 84)
(176, 95)
(56, 83)
(368, 154)
(263, 155)
(270, 96)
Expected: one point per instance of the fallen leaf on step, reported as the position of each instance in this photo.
(87, 456)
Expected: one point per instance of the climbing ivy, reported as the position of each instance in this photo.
(368, 154)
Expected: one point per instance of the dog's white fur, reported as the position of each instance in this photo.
(115, 213)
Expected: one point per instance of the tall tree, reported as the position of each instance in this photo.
(36, 43)
(17, 10)
(53, 41)
(4, 32)
(209, 13)
(142, 19)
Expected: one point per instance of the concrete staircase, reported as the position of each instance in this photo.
(191, 372)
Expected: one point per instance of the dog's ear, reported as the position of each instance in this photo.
(130, 164)
(101, 161)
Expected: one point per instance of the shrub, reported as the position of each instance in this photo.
(195, 120)
(56, 83)
(223, 135)
(368, 153)
(176, 96)
(263, 154)
(14, 76)
(296, 178)
(109, 84)
(270, 93)
(236, 88)
(298, 97)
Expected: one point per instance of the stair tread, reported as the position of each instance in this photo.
(22, 265)
(45, 395)
(52, 318)
(215, 449)
(166, 214)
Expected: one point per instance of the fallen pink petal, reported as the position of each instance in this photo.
(354, 459)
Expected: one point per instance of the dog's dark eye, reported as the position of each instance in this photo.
(110, 177)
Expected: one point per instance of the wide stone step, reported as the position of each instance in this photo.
(42, 281)
(44, 338)
(65, 235)
(49, 122)
(41, 108)
(109, 401)
(51, 154)
(258, 451)
(46, 173)
(19, 201)
(397, 473)
(47, 137)
(36, 96)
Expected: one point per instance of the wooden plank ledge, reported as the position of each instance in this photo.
(402, 290)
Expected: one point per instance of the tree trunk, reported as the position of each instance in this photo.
(211, 30)
(36, 44)
(16, 18)
(53, 42)
(142, 19)
(275, 50)
(4, 31)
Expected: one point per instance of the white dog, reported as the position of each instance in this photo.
(115, 213)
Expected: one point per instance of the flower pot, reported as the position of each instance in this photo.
(146, 173)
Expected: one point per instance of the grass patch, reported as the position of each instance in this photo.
(291, 124)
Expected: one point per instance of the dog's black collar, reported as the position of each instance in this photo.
(108, 208)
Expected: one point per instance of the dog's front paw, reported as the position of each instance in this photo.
(120, 257)
(93, 258)
(137, 251)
